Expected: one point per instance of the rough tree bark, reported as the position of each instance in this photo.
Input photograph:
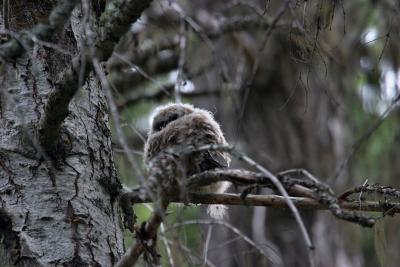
(59, 212)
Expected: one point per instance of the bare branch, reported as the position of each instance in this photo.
(188, 251)
(313, 190)
(365, 137)
(114, 113)
(164, 92)
(120, 78)
(271, 201)
(247, 85)
(241, 23)
(275, 181)
(225, 224)
(383, 190)
(203, 36)
(139, 55)
(114, 25)
(145, 235)
(182, 54)
(318, 196)
(245, 178)
(42, 32)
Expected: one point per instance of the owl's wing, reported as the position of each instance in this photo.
(212, 160)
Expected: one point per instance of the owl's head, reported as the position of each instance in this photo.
(166, 114)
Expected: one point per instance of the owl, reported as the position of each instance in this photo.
(175, 126)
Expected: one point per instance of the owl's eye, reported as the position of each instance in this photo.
(162, 123)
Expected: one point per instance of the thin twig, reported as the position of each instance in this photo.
(365, 137)
(181, 63)
(164, 239)
(247, 85)
(114, 113)
(203, 36)
(383, 190)
(188, 250)
(142, 72)
(265, 172)
(149, 232)
(225, 224)
(207, 243)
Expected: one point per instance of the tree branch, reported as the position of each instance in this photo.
(146, 234)
(115, 22)
(164, 92)
(367, 188)
(272, 201)
(43, 32)
(315, 196)
(275, 201)
(269, 175)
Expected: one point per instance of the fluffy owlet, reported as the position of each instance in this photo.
(178, 126)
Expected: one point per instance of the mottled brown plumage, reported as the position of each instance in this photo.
(176, 126)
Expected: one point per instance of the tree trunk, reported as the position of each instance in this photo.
(63, 211)
(288, 122)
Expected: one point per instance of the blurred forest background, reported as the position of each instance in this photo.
(294, 84)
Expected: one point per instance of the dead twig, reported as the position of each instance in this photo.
(367, 188)
(275, 181)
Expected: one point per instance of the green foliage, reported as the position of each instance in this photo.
(111, 7)
(373, 161)
(133, 114)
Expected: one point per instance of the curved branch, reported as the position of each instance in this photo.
(274, 180)
(315, 196)
(43, 32)
(145, 235)
(245, 178)
(114, 24)
(383, 190)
